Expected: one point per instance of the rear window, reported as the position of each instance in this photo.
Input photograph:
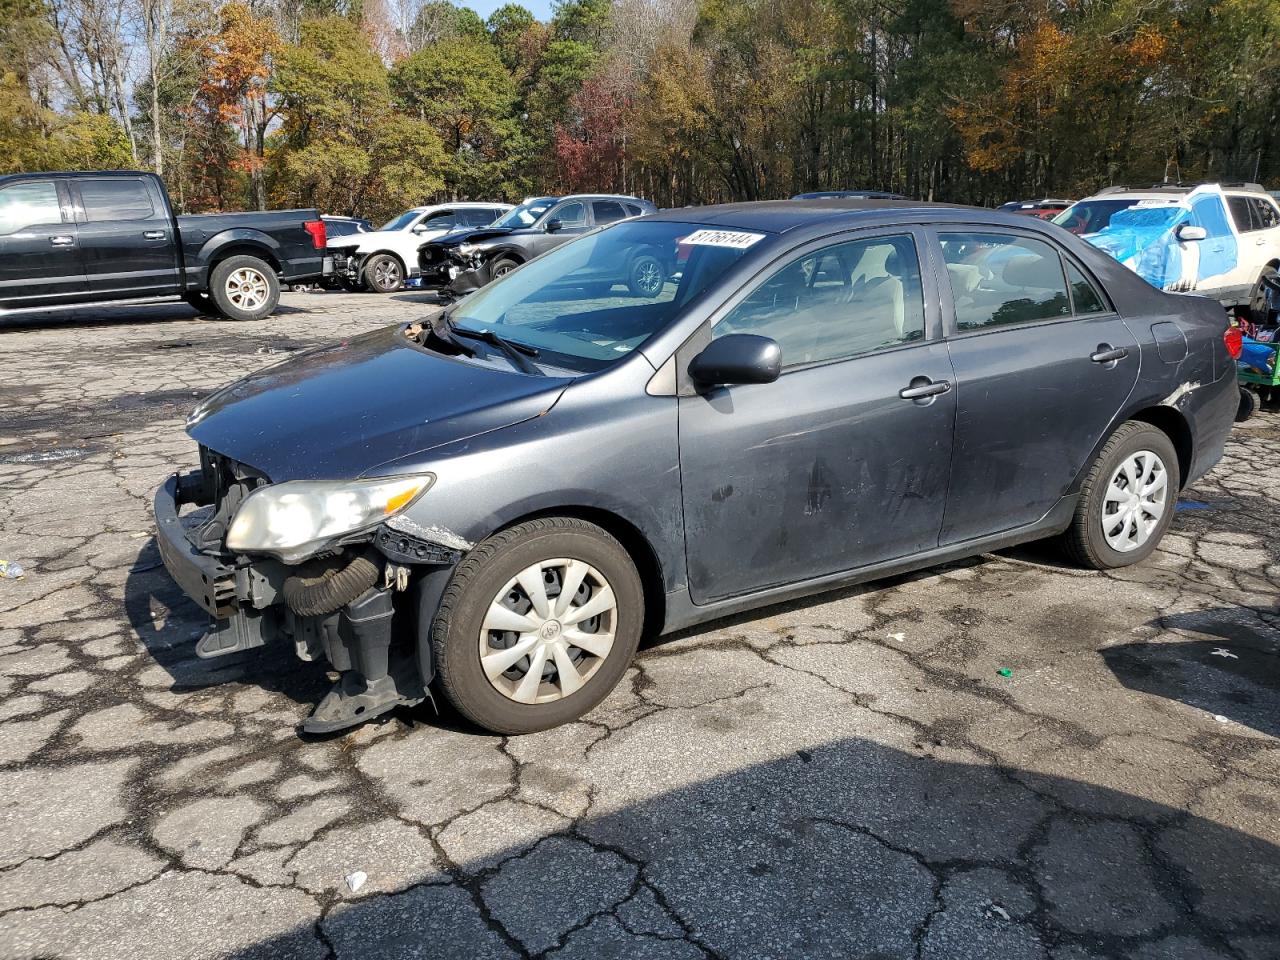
(115, 200)
(607, 211)
(1242, 213)
(999, 279)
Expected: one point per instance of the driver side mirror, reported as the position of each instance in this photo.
(1190, 232)
(555, 226)
(738, 358)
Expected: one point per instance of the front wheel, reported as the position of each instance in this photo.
(383, 273)
(244, 288)
(537, 625)
(501, 267)
(1126, 502)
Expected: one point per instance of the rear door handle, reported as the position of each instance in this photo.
(154, 235)
(922, 390)
(1108, 354)
(62, 241)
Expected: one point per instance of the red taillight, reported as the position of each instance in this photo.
(1234, 340)
(319, 237)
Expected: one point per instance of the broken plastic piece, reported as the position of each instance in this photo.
(1223, 652)
(356, 880)
(997, 910)
(1221, 719)
(1005, 672)
(10, 570)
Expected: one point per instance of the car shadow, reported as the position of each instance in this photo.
(848, 849)
(105, 315)
(168, 624)
(1236, 674)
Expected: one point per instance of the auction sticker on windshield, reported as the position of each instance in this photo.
(723, 238)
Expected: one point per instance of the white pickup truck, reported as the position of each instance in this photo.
(1220, 240)
(384, 259)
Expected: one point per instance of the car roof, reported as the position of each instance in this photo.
(603, 196)
(1171, 190)
(779, 216)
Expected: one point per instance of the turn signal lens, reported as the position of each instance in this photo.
(1234, 340)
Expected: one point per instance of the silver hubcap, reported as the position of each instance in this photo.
(247, 288)
(548, 631)
(1136, 498)
(649, 277)
(502, 271)
(386, 273)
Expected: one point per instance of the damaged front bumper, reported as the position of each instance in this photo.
(370, 638)
(452, 273)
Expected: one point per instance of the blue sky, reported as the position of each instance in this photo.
(539, 8)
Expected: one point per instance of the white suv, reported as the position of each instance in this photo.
(1218, 240)
(383, 259)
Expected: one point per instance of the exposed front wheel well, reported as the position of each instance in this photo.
(245, 250)
(635, 543)
(1175, 427)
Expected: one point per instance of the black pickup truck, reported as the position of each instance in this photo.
(69, 239)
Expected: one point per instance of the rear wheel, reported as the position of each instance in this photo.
(244, 288)
(646, 276)
(537, 625)
(383, 273)
(1126, 501)
(1265, 299)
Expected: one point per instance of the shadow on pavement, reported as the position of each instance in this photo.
(1236, 675)
(105, 315)
(852, 850)
(168, 624)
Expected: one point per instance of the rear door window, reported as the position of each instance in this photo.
(1265, 213)
(115, 199)
(999, 279)
(28, 204)
(607, 211)
(1084, 295)
(1242, 214)
(479, 216)
(838, 302)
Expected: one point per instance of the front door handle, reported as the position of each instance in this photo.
(1106, 353)
(928, 388)
(62, 240)
(153, 235)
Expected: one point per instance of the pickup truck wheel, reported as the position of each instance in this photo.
(244, 288)
(537, 625)
(383, 273)
(1127, 499)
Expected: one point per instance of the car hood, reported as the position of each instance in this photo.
(338, 411)
(474, 236)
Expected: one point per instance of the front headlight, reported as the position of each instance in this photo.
(294, 519)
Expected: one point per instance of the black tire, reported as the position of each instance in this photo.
(481, 576)
(646, 276)
(229, 284)
(1258, 309)
(1248, 405)
(1084, 541)
(501, 267)
(383, 273)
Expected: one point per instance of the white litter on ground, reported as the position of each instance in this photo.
(1223, 652)
(356, 880)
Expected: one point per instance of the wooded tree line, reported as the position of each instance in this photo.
(367, 106)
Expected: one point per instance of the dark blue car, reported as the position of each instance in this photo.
(498, 503)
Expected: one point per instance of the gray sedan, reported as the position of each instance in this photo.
(498, 504)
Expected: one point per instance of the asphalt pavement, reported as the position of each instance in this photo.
(849, 776)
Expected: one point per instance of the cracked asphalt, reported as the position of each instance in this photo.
(847, 776)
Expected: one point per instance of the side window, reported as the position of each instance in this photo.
(607, 211)
(633, 210)
(444, 220)
(480, 217)
(998, 279)
(28, 204)
(572, 214)
(105, 200)
(1265, 213)
(837, 302)
(1084, 295)
(1241, 213)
